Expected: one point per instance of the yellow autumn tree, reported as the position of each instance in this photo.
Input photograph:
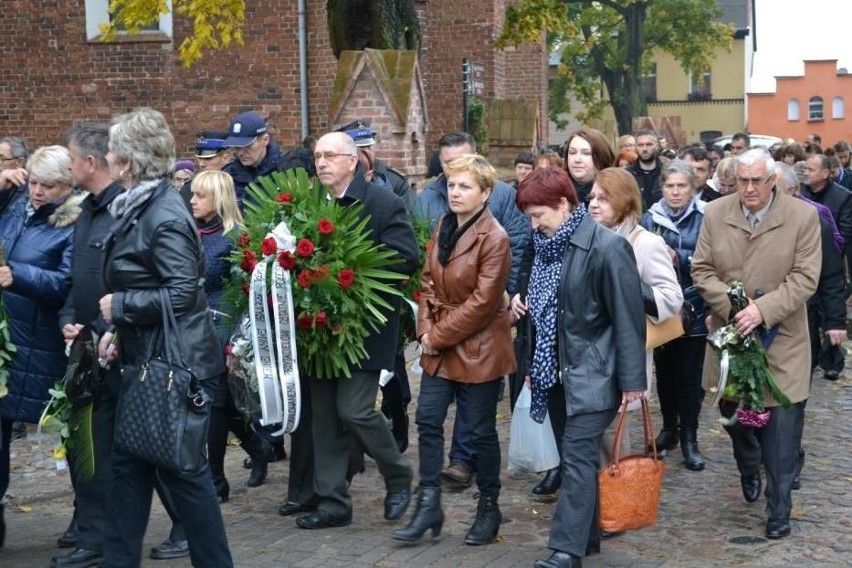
(216, 24)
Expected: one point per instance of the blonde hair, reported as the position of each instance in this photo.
(51, 165)
(485, 174)
(622, 190)
(220, 187)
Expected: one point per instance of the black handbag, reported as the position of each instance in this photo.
(163, 412)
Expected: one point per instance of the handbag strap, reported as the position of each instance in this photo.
(647, 431)
(172, 342)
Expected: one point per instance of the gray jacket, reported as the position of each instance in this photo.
(601, 323)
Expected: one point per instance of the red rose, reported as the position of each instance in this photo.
(249, 261)
(245, 288)
(268, 246)
(415, 295)
(346, 278)
(325, 226)
(287, 260)
(284, 197)
(320, 274)
(305, 321)
(244, 240)
(321, 319)
(304, 278)
(305, 248)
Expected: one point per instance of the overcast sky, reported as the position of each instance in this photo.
(790, 31)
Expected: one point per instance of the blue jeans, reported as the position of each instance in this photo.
(461, 447)
(436, 394)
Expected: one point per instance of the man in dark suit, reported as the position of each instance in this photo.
(346, 406)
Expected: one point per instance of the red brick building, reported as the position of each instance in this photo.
(814, 102)
(55, 71)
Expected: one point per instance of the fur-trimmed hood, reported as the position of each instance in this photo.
(67, 212)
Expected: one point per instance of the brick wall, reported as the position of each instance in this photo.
(52, 76)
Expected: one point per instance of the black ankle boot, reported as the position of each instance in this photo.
(220, 483)
(487, 523)
(666, 439)
(261, 453)
(689, 446)
(550, 484)
(427, 515)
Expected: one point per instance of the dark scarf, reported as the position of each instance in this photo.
(543, 303)
(209, 227)
(450, 233)
(126, 202)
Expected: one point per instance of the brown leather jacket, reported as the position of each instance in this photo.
(463, 306)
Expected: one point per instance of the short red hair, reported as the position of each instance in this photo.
(546, 186)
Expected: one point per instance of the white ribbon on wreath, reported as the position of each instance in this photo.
(274, 338)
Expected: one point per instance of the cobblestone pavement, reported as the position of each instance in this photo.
(703, 520)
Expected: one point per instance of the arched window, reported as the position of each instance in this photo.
(815, 108)
(837, 107)
(793, 109)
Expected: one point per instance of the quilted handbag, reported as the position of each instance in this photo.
(163, 413)
(630, 486)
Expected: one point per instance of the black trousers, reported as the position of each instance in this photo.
(576, 518)
(679, 365)
(300, 483)
(776, 445)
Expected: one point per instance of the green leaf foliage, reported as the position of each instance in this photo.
(610, 42)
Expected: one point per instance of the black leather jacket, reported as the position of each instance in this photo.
(601, 321)
(157, 247)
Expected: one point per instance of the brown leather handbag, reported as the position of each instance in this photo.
(630, 486)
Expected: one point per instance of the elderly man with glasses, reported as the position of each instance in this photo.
(769, 241)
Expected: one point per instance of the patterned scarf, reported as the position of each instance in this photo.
(543, 292)
(132, 198)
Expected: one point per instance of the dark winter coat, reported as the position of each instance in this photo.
(38, 250)
(389, 225)
(244, 175)
(649, 182)
(87, 269)
(217, 248)
(160, 249)
(682, 236)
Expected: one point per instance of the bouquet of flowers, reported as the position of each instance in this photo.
(745, 375)
(412, 286)
(340, 274)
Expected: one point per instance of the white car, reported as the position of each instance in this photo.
(756, 140)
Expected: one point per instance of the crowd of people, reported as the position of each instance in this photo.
(580, 253)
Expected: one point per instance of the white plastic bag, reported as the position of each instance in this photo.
(532, 446)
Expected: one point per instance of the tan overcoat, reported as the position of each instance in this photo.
(782, 258)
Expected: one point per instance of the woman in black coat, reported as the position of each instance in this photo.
(154, 245)
(585, 302)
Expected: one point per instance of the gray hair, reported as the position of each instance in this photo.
(753, 156)
(17, 146)
(51, 165)
(143, 139)
(785, 176)
(679, 167)
(91, 139)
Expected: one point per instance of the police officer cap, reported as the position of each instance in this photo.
(360, 132)
(209, 143)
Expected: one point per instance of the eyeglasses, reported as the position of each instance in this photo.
(328, 156)
(756, 182)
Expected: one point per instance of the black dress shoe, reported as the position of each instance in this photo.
(751, 485)
(550, 484)
(593, 546)
(396, 503)
(170, 549)
(322, 520)
(560, 560)
(832, 375)
(79, 558)
(69, 537)
(777, 529)
(289, 508)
